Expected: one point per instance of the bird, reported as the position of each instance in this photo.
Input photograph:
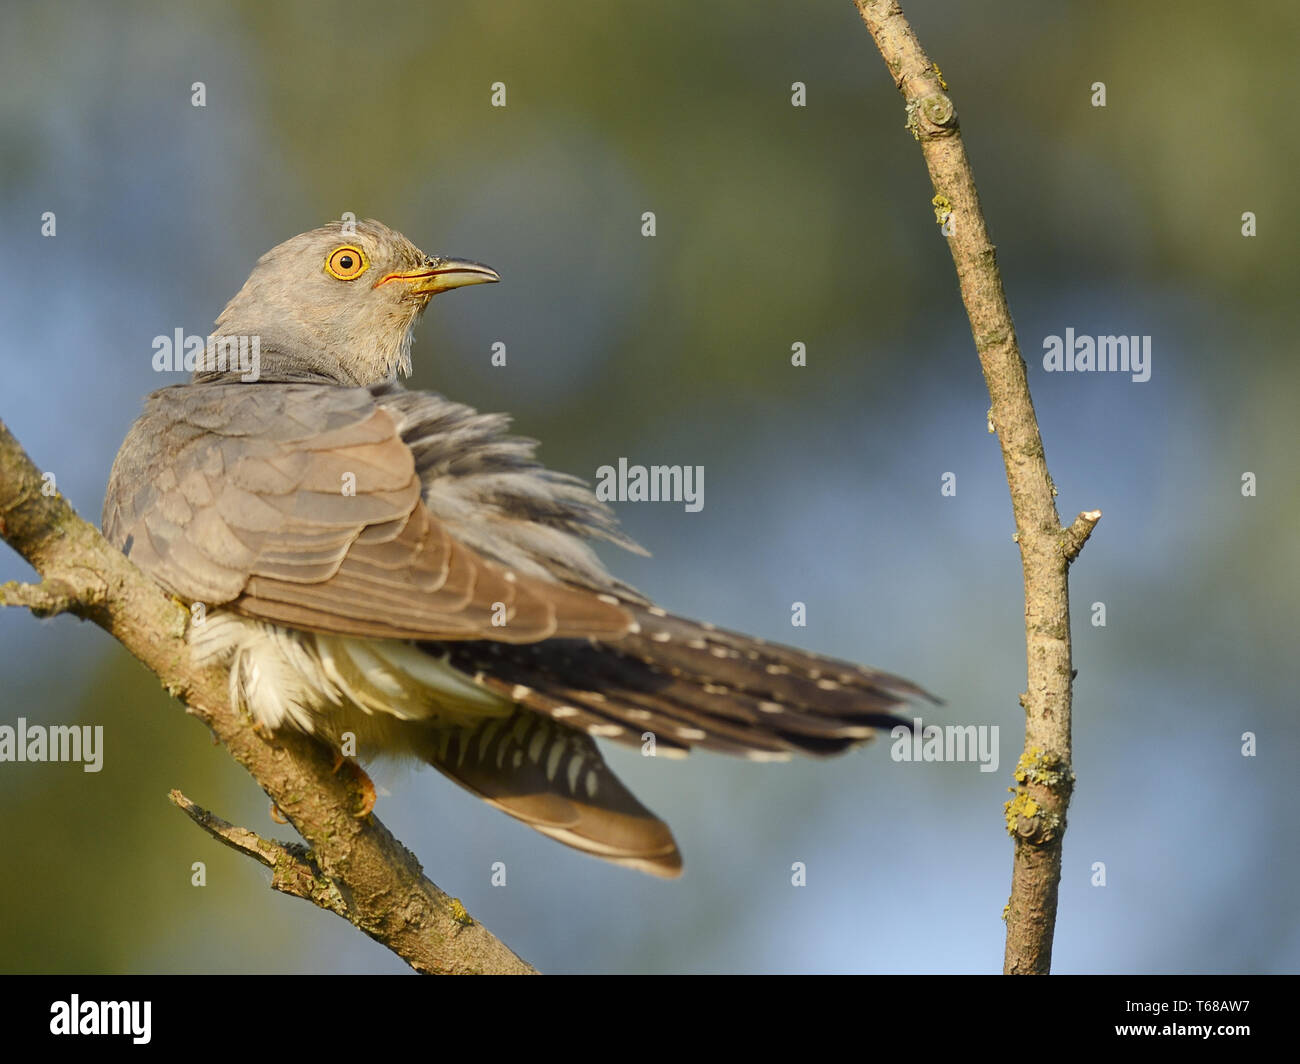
(391, 568)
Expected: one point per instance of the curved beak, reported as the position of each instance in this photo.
(441, 274)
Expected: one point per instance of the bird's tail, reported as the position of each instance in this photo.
(685, 684)
(555, 780)
(669, 685)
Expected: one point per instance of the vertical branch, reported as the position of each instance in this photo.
(1036, 813)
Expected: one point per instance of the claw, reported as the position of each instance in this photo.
(278, 816)
(368, 796)
(364, 783)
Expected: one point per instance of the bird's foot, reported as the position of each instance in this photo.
(364, 783)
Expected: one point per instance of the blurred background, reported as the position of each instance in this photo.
(775, 225)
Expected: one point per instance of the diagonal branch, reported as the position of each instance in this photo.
(1036, 815)
(380, 886)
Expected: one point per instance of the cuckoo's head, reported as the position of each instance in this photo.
(341, 304)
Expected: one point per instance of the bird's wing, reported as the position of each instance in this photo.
(302, 505)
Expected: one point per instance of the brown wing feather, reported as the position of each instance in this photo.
(238, 498)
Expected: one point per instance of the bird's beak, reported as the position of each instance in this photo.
(442, 274)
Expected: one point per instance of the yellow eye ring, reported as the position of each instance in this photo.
(347, 263)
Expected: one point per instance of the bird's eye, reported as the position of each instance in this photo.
(347, 263)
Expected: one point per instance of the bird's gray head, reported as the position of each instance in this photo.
(339, 305)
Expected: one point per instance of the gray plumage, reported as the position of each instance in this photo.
(392, 564)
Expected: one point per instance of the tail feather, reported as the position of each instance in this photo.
(693, 684)
(555, 780)
(626, 713)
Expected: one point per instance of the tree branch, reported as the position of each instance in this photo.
(1036, 814)
(378, 883)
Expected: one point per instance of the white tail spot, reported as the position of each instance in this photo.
(767, 755)
(553, 758)
(536, 746)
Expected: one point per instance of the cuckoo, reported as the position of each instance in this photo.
(391, 567)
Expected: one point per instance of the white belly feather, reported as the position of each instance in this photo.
(328, 685)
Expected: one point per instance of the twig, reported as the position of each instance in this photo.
(1077, 534)
(1036, 815)
(294, 871)
(46, 599)
(380, 886)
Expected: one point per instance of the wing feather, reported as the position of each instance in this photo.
(302, 504)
